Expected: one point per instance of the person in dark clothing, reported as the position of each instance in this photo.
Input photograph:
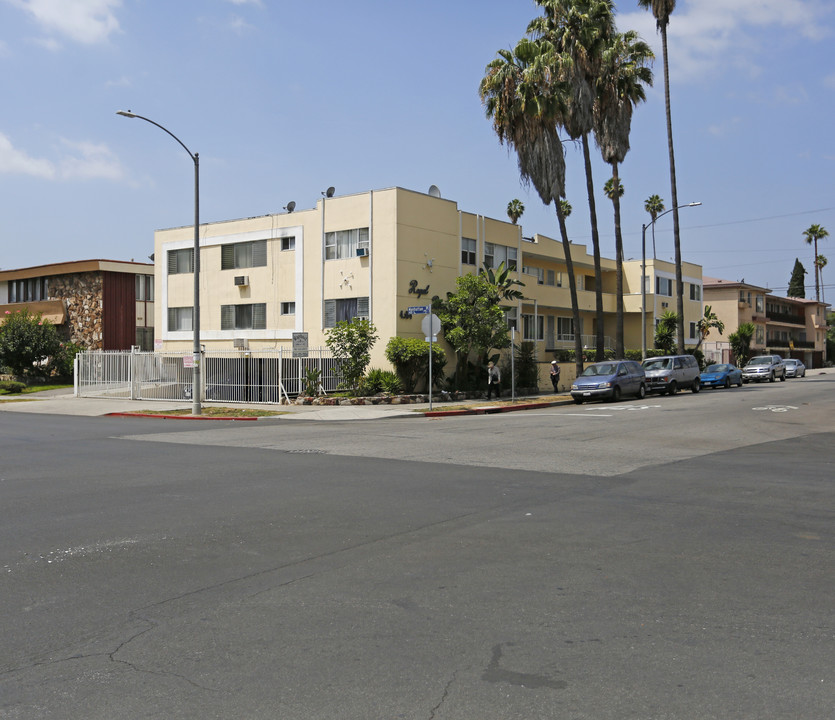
(494, 380)
(555, 375)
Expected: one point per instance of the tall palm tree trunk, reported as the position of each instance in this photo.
(572, 289)
(619, 349)
(674, 193)
(817, 273)
(595, 240)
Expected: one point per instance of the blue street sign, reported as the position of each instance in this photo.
(419, 310)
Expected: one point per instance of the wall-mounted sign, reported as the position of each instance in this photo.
(415, 290)
(299, 344)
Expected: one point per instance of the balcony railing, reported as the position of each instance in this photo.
(785, 317)
(565, 341)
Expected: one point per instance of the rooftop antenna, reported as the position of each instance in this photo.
(290, 206)
(329, 192)
(434, 191)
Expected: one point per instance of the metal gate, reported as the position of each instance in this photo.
(251, 376)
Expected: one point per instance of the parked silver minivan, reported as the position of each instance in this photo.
(669, 374)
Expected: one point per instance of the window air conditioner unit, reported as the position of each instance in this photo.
(663, 304)
(240, 344)
(241, 280)
(362, 252)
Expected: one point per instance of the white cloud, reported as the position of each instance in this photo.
(17, 162)
(88, 161)
(239, 26)
(710, 34)
(84, 21)
(81, 161)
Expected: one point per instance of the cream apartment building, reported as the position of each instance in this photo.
(374, 255)
(791, 327)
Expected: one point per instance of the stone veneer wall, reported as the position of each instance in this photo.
(83, 298)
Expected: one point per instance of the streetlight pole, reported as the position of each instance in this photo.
(196, 353)
(644, 274)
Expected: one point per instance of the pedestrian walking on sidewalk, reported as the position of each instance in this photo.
(555, 375)
(494, 380)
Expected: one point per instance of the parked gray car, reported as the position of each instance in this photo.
(609, 381)
(764, 367)
(794, 368)
(671, 373)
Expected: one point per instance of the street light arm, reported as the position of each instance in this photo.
(129, 114)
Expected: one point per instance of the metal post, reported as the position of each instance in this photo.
(196, 389)
(644, 292)
(430, 355)
(513, 364)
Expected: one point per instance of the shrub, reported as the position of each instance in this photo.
(26, 341)
(310, 381)
(410, 358)
(12, 386)
(61, 363)
(377, 381)
(351, 343)
(527, 372)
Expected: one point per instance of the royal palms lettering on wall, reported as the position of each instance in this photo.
(414, 290)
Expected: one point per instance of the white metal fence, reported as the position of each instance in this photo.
(262, 376)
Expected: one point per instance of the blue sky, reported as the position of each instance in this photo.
(283, 99)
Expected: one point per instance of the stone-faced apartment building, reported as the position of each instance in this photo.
(99, 304)
(375, 254)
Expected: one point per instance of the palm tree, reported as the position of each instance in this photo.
(515, 208)
(502, 285)
(813, 234)
(820, 264)
(654, 205)
(581, 29)
(566, 208)
(620, 86)
(524, 99)
(661, 10)
(706, 323)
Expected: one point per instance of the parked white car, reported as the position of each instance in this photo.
(795, 368)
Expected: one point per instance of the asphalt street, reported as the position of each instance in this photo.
(670, 558)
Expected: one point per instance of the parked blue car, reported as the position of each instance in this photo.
(721, 375)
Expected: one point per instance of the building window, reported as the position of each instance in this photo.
(533, 327)
(693, 331)
(695, 292)
(664, 286)
(511, 317)
(760, 336)
(565, 329)
(29, 290)
(145, 288)
(243, 317)
(536, 271)
(495, 255)
(345, 243)
(180, 318)
(243, 255)
(145, 338)
(760, 302)
(180, 261)
(288, 243)
(288, 308)
(345, 309)
(468, 246)
(550, 277)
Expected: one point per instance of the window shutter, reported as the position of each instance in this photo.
(259, 316)
(172, 319)
(259, 253)
(227, 317)
(330, 313)
(227, 257)
(172, 262)
(362, 307)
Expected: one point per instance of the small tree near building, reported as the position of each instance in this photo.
(27, 341)
(740, 342)
(351, 343)
(797, 283)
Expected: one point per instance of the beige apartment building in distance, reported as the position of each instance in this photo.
(790, 327)
(374, 255)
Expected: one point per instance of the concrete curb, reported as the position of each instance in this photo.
(182, 417)
(495, 409)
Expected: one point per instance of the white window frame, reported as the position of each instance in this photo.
(468, 251)
(180, 318)
(343, 244)
(288, 308)
(243, 316)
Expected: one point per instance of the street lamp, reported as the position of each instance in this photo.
(195, 377)
(644, 275)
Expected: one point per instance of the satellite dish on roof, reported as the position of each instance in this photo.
(329, 192)
(290, 206)
(434, 191)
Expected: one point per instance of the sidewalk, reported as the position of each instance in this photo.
(63, 402)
